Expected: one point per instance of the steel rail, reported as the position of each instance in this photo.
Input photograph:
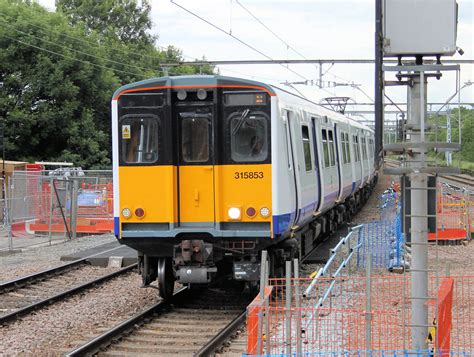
(225, 334)
(105, 339)
(48, 273)
(42, 275)
(22, 311)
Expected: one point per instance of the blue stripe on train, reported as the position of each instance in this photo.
(116, 226)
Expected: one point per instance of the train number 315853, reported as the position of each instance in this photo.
(255, 175)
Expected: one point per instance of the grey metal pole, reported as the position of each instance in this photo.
(75, 189)
(299, 342)
(288, 309)
(378, 109)
(8, 212)
(50, 223)
(419, 220)
(263, 279)
(368, 303)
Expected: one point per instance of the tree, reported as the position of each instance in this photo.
(55, 97)
(125, 20)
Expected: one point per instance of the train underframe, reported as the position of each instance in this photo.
(199, 259)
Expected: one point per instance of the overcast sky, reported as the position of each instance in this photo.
(317, 29)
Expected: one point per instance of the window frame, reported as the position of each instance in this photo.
(264, 117)
(152, 117)
(306, 141)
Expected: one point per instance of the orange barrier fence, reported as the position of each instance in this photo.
(455, 213)
(255, 310)
(445, 306)
(347, 320)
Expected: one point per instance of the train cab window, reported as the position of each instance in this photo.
(306, 148)
(195, 138)
(325, 148)
(139, 140)
(248, 139)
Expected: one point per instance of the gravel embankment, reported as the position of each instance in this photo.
(35, 259)
(57, 329)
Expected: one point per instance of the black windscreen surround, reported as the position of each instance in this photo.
(171, 139)
(245, 127)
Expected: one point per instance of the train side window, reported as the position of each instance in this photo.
(348, 148)
(306, 148)
(139, 140)
(325, 148)
(331, 148)
(195, 139)
(248, 139)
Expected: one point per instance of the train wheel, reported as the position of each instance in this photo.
(165, 278)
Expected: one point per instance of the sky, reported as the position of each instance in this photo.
(306, 29)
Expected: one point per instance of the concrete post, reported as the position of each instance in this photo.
(263, 280)
(419, 219)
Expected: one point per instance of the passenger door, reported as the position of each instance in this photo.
(195, 167)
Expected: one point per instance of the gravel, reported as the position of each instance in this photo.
(34, 259)
(64, 325)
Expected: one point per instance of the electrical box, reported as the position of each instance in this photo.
(419, 27)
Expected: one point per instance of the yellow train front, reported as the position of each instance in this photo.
(192, 177)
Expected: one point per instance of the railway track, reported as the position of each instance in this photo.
(194, 323)
(21, 296)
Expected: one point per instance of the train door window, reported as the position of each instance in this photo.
(195, 138)
(306, 148)
(331, 148)
(343, 148)
(356, 148)
(139, 140)
(325, 148)
(348, 147)
(364, 148)
(248, 139)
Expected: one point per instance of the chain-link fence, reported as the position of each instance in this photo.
(43, 206)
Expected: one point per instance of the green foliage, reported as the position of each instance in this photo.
(58, 72)
(467, 133)
(54, 102)
(124, 20)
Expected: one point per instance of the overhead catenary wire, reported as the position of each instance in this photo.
(270, 30)
(69, 57)
(73, 49)
(234, 37)
(97, 45)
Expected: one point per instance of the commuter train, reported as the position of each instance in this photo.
(211, 170)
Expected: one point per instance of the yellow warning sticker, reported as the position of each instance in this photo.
(125, 131)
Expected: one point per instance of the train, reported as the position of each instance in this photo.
(210, 170)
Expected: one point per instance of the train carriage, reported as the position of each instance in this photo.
(210, 170)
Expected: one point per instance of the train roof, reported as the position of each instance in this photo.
(224, 81)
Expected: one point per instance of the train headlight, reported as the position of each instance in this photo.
(126, 213)
(234, 213)
(264, 212)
